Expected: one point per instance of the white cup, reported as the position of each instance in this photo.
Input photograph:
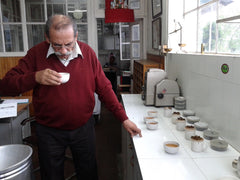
(167, 112)
(175, 115)
(152, 113)
(189, 132)
(180, 124)
(147, 118)
(198, 144)
(65, 77)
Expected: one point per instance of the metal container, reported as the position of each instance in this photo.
(15, 162)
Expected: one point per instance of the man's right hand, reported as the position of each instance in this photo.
(48, 77)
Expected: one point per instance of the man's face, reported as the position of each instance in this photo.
(62, 41)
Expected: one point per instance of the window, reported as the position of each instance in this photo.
(18, 34)
(209, 22)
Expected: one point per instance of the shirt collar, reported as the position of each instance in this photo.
(77, 51)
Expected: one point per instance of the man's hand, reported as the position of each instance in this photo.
(48, 77)
(131, 128)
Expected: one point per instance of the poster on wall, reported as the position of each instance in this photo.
(156, 8)
(156, 33)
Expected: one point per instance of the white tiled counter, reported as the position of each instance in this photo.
(155, 163)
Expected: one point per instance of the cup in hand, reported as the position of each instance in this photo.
(65, 77)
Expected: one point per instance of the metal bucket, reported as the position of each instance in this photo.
(15, 162)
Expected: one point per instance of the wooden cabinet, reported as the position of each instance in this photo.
(139, 69)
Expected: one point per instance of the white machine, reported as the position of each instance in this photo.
(157, 90)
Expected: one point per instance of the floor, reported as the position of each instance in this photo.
(108, 149)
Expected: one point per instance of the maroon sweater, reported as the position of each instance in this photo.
(70, 105)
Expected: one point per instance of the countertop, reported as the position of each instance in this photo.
(155, 163)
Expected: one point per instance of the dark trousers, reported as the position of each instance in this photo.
(52, 144)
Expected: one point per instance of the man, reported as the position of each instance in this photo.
(64, 111)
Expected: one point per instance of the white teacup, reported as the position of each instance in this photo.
(65, 77)
(180, 124)
(147, 118)
(175, 115)
(189, 132)
(167, 111)
(198, 144)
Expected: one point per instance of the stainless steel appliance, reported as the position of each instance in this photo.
(152, 77)
(165, 91)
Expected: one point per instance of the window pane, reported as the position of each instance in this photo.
(190, 32)
(125, 51)
(101, 4)
(35, 34)
(56, 7)
(13, 38)
(1, 40)
(78, 10)
(134, 4)
(207, 28)
(228, 8)
(228, 38)
(190, 5)
(35, 10)
(82, 33)
(201, 2)
(11, 11)
(125, 34)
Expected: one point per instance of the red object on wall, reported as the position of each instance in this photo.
(117, 15)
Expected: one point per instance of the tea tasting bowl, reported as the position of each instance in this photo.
(201, 126)
(152, 124)
(210, 134)
(193, 119)
(65, 77)
(171, 147)
(147, 118)
(152, 113)
(188, 113)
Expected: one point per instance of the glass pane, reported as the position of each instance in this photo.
(189, 32)
(125, 34)
(56, 7)
(82, 33)
(125, 51)
(78, 10)
(134, 4)
(190, 5)
(11, 11)
(13, 38)
(101, 4)
(228, 8)
(35, 34)
(1, 41)
(207, 28)
(201, 2)
(228, 38)
(34, 10)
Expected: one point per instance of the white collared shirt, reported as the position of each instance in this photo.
(76, 51)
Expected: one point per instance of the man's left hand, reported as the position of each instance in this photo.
(131, 128)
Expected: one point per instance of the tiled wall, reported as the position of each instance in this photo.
(214, 96)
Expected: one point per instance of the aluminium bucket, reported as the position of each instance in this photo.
(15, 162)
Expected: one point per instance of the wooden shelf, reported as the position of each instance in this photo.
(139, 70)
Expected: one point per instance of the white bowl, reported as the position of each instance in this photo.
(152, 113)
(65, 77)
(147, 118)
(171, 147)
(152, 124)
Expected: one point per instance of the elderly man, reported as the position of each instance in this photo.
(64, 111)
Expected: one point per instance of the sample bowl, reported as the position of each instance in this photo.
(171, 147)
(65, 77)
(152, 124)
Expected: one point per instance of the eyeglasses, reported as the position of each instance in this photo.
(67, 46)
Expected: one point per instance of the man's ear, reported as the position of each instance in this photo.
(76, 35)
(47, 39)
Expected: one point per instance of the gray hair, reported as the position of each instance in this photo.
(58, 22)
